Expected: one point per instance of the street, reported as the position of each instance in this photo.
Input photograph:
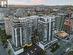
(2, 50)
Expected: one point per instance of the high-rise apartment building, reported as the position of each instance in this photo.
(8, 25)
(24, 29)
(3, 3)
(46, 25)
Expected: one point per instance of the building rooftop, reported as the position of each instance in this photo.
(62, 34)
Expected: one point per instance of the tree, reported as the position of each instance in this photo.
(9, 52)
(3, 38)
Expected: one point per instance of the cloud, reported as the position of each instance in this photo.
(47, 2)
(38, 1)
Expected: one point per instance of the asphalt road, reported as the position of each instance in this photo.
(2, 50)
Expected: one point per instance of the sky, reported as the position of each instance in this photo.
(43, 2)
